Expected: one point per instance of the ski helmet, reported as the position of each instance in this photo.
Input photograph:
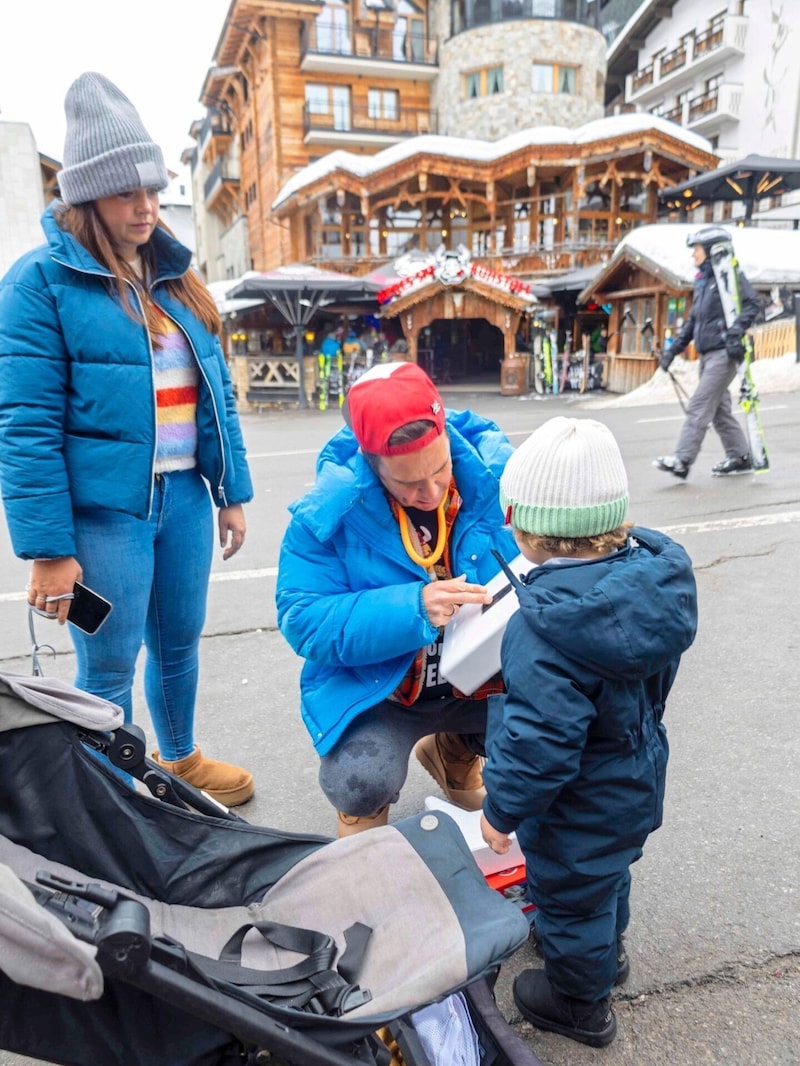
(708, 235)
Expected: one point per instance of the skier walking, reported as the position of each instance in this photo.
(721, 349)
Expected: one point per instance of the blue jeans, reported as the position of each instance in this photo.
(155, 573)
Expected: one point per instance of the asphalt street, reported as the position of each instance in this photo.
(714, 939)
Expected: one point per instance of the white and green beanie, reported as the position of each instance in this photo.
(566, 480)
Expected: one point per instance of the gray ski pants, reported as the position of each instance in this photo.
(711, 402)
(368, 766)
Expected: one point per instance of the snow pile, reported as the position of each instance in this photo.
(771, 376)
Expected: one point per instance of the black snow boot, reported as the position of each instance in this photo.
(589, 1023)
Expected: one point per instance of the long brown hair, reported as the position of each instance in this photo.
(86, 226)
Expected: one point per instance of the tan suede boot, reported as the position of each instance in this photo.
(455, 769)
(227, 784)
(350, 824)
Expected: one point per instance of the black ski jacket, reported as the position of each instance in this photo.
(706, 322)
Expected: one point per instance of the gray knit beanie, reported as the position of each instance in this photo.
(566, 480)
(107, 149)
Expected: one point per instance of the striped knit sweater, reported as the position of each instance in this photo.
(176, 381)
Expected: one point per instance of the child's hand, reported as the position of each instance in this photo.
(498, 842)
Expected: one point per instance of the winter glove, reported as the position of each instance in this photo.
(734, 346)
(665, 359)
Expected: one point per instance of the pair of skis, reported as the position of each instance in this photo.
(726, 271)
(331, 371)
(545, 378)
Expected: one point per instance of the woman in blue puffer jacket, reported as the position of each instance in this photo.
(117, 414)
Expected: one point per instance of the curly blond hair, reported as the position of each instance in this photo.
(565, 547)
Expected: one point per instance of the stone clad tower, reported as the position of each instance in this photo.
(506, 65)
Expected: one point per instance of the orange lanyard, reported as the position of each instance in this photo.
(405, 533)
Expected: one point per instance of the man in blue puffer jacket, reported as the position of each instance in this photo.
(577, 750)
(395, 535)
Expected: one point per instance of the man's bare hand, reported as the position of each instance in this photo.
(442, 599)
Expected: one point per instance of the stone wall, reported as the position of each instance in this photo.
(516, 45)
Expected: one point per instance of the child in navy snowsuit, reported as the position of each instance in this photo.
(576, 747)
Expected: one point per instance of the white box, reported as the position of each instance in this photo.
(469, 822)
(471, 644)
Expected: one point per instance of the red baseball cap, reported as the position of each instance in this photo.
(388, 396)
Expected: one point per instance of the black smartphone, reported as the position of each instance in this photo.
(88, 610)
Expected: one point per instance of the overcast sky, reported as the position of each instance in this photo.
(156, 51)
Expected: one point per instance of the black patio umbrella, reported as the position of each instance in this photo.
(746, 181)
(299, 291)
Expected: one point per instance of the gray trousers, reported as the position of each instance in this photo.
(369, 765)
(711, 402)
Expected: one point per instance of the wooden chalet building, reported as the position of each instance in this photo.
(348, 133)
(533, 206)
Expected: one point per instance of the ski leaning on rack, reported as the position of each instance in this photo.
(726, 271)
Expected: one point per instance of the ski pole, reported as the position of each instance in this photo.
(679, 390)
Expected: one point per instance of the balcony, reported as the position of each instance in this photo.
(643, 77)
(222, 184)
(672, 61)
(467, 14)
(530, 262)
(215, 131)
(343, 125)
(402, 52)
(714, 109)
(680, 67)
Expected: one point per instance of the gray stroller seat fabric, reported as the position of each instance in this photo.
(26, 700)
(378, 879)
(38, 951)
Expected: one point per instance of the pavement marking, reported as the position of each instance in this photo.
(514, 433)
(246, 575)
(282, 455)
(680, 417)
(744, 522)
(712, 526)
(233, 575)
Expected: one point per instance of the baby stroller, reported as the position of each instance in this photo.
(160, 929)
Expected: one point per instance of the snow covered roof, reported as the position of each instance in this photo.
(471, 148)
(767, 256)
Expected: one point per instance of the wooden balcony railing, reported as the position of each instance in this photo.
(703, 105)
(643, 77)
(673, 60)
(709, 40)
(403, 122)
